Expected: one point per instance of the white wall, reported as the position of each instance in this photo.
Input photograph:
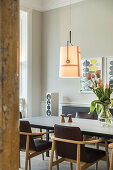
(92, 29)
(36, 61)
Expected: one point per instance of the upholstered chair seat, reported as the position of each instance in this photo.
(42, 145)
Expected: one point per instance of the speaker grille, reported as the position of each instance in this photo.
(52, 100)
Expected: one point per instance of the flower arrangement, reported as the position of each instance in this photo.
(103, 94)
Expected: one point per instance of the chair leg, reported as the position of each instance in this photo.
(29, 164)
(78, 157)
(71, 166)
(27, 153)
(42, 153)
(97, 147)
(111, 161)
(42, 156)
(26, 161)
(96, 168)
(19, 161)
(107, 154)
(56, 160)
(52, 154)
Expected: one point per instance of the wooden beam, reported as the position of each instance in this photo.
(9, 98)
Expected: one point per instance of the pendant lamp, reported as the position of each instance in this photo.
(70, 61)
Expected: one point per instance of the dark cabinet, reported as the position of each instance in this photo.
(73, 109)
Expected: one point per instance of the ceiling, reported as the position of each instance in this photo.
(45, 5)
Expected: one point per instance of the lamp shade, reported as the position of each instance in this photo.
(73, 68)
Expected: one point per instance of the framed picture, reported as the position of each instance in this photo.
(109, 70)
(89, 65)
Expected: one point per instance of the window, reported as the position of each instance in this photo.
(23, 62)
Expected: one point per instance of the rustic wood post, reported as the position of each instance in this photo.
(9, 97)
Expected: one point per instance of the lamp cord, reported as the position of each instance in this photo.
(68, 61)
(70, 15)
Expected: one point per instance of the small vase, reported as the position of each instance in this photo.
(105, 117)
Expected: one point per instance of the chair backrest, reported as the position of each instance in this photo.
(25, 127)
(84, 115)
(68, 150)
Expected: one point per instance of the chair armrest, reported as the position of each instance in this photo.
(43, 133)
(111, 145)
(78, 142)
(33, 134)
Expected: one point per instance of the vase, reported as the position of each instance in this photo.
(105, 116)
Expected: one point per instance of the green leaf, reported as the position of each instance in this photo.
(93, 103)
(107, 101)
(98, 109)
(95, 83)
(92, 108)
(90, 88)
(107, 93)
(111, 102)
(99, 92)
(111, 90)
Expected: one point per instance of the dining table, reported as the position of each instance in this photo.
(87, 126)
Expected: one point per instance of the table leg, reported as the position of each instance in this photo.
(47, 139)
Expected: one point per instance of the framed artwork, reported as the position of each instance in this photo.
(109, 70)
(89, 65)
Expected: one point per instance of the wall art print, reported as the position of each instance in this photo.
(89, 65)
(109, 70)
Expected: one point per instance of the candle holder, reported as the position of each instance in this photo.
(70, 118)
(62, 120)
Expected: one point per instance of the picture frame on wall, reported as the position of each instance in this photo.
(109, 70)
(90, 64)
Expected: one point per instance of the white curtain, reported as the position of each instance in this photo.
(23, 62)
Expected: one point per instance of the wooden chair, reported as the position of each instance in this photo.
(31, 146)
(111, 160)
(84, 115)
(68, 144)
(35, 136)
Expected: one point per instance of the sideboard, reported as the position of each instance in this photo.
(73, 109)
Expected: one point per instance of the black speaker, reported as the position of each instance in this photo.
(52, 104)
